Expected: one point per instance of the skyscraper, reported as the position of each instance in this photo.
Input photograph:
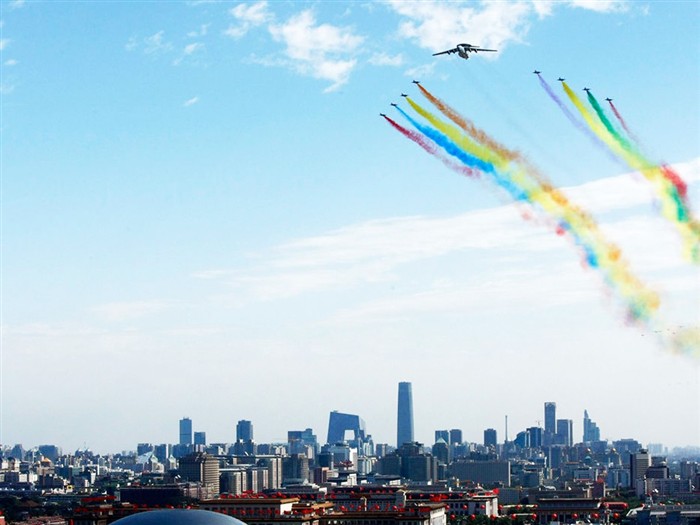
(185, 431)
(442, 434)
(550, 418)
(550, 423)
(591, 432)
(565, 432)
(404, 421)
(490, 437)
(339, 423)
(244, 430)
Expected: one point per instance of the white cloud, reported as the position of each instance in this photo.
(11, 62)
(190, 49)
(601, 6)
(151, 45)
(439, 25)
(384, 59)
(156, 43)
(202, 31)
(375, 251)
(188, 52)
(191, 101)
(322, 51)
(127, 311)
(3, 43)
(16, 4)
(248, 16)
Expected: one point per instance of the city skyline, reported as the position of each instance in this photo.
(355, 423)
(203, 214)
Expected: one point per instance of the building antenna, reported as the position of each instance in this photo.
(506, 428)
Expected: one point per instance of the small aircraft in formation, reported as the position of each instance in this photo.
(561, 79)
(609, 99)
(586, 89)
(536, 72)
(463, 50)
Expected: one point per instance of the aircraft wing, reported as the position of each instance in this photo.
(480, 49)
(447, 52)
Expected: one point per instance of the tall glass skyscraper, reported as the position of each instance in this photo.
(404, 424)
(185, 431)
(244, 430)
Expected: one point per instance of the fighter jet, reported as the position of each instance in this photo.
(561, 79)
(416, 81)
(463, 50)
(586, 89)
(404, 95)
(609, 99)
(382, 115)
(394, 104)
(537, 72)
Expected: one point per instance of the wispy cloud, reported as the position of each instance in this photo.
(151, 45)
(11, 62)
(384, 59)
(602, 6)
(3, 43)
(128, 311)
(190, 102)
(189, 51)
(248, 16)
(438, 25)
(374, 251)
(322, 51)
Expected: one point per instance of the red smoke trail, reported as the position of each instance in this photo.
(676, 180)
(430, 148)
(622, 121)
(667, 171)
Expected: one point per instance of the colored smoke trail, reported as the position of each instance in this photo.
(640, 302)
(572, 118)
(430, 148)
(467, 158)
(668, 172)
(672, 196)
(622, 121)
(471, 130)
(606, 121)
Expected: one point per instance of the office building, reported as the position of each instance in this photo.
(591, 432)
(536, 436)
(490, 437)
(550, 422)
(442, 434)
(639, 463)
(404, 423)
(455, 436)
(200, 438)
(339, 424)
(202, 468)
(244, 430)
(565, 432)
(185, 431)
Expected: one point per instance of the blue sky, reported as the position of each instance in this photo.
(204, 215)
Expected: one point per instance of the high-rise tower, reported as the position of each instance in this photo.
(404, 424)
(185, 431)
(550, 423)
(244, 430)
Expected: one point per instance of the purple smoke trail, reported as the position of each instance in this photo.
(576, 122)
